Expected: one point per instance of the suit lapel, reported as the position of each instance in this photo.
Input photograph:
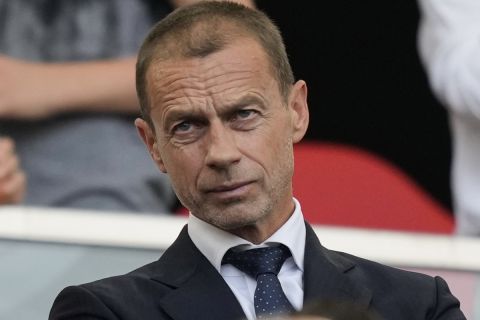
(326, 275)
(199, 291)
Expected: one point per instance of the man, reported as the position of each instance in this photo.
(221, 112)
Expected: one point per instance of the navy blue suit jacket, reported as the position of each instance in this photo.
(183, 285)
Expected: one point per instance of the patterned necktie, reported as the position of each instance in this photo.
(263, 264)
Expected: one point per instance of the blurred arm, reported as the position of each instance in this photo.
(31, 90)
(449, 43)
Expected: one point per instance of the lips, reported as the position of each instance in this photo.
(228, 187)
(230, 190)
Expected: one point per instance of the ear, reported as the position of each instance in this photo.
(299, 110)
(150, 141)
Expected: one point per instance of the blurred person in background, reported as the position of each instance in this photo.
(449, 44)
(12, 177)
(68, 101)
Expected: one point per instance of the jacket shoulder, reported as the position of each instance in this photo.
(413, 292)
(122, 296)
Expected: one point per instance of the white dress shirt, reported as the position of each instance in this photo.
(449, 42)
(213, 243)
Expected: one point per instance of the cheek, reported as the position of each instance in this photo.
(271, 150)
(183, 166)
(183, 183)
(281, 155)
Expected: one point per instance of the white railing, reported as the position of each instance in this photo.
(159, 231)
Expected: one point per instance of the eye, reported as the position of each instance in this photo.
(187, 131)
(182, 127)
(245, 114)
(246, 119)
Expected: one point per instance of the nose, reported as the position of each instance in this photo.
(222, 147)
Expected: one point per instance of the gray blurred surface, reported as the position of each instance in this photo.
(33, 273)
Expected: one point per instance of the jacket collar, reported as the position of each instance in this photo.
(199, 288)
(326, 275)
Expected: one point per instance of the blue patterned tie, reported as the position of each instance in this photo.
(263, 264)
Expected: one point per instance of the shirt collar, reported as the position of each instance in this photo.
(213, 242)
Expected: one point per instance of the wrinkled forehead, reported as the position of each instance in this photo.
(245, 54)
(240, 65)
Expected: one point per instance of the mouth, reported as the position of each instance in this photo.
(230, 190)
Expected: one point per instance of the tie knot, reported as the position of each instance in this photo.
(259, 261)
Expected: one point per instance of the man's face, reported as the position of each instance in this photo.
(224, 135)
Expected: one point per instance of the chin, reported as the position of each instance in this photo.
(237, 218)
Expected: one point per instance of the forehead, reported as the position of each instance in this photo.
(240, 66)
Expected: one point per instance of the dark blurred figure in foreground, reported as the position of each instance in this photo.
(334, 310)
